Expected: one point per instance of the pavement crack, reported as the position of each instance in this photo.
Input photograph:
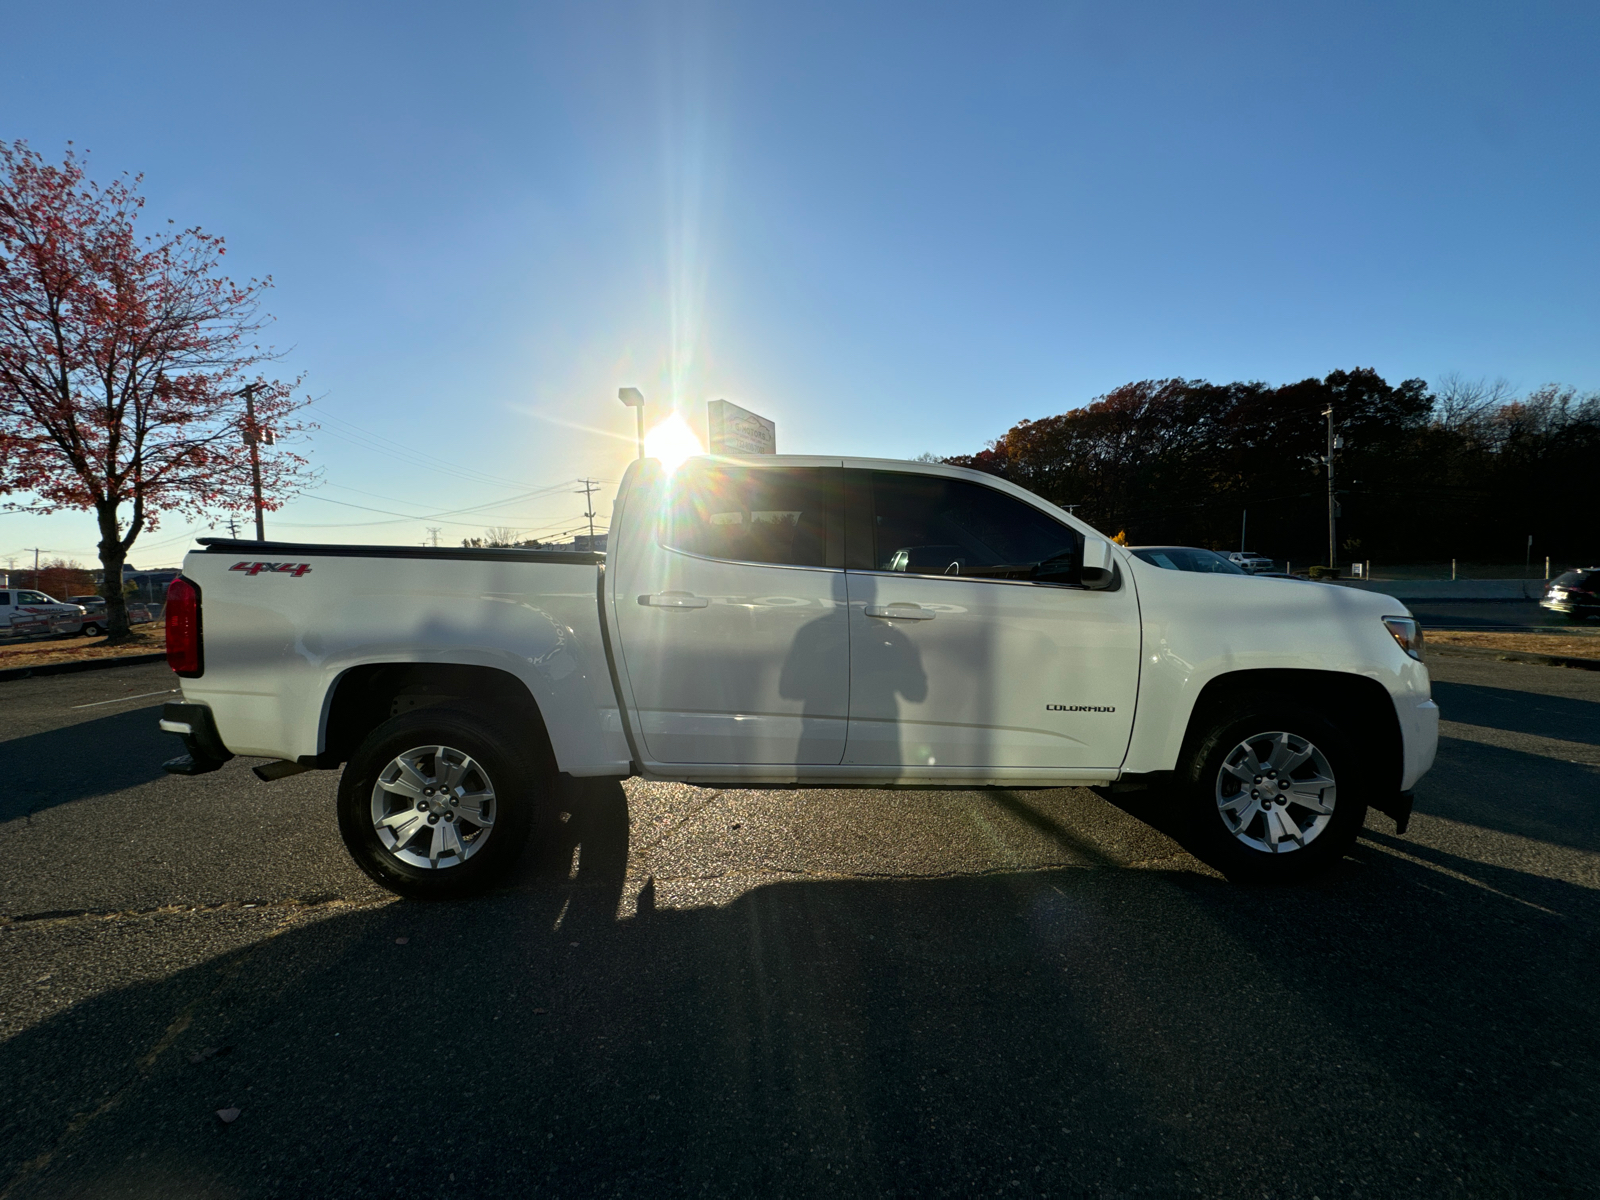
(687, 817)
(87, 915)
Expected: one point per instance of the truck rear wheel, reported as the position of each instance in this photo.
(438, 802)
(1276, 791)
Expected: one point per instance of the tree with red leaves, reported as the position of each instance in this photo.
(123, 362)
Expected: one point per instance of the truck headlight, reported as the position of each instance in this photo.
(1407, 633)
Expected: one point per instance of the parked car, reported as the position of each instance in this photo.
(94, 607)
(23, 608)
(94, 614)
(1252, 562)
(803, 622)
(1187, 558)
(1574, 593)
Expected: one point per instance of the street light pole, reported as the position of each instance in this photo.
(633, 398)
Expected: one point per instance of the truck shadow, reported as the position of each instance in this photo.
(1419, 1024)
(75, 762)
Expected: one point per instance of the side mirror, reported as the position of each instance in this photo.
(1099, 563)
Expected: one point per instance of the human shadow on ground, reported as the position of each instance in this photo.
(1396, 1030)
(54, 767)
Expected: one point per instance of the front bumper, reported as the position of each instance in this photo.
(1419, 735)
(193, 723)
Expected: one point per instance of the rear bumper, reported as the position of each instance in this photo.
(193, 723)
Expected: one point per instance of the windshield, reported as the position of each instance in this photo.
(1188, 558)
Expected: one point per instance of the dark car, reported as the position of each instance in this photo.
(1187, 558)
(1575, 593)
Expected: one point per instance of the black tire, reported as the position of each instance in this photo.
(90, 629)
(520, 776)
(1206, 783)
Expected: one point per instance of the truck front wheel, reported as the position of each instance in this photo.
(1276, 791)
(438, 802)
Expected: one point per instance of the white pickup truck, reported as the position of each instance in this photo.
(795, 621)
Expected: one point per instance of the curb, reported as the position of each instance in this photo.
(1516, 656)
(90, 664)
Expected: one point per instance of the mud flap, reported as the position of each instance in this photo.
(1398, 806)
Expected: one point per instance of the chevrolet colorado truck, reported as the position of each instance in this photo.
(803, 622)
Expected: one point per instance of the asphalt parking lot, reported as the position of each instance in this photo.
(715, 992)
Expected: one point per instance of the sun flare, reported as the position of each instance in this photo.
(672, 441)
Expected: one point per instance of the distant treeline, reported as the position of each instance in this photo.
(1464, 470)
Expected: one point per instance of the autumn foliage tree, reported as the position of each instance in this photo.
(1465, 471)
(122, 364)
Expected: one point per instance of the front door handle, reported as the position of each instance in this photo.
(674, 600)
(900, 612)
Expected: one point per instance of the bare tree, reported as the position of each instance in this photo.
(1461, 404)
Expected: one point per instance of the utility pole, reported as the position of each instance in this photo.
(253, 437)
(233, 527)
(589, 487)
(1527, 559)
(1333, 509)
(1244, 517)
(433, 532)
(36, 552)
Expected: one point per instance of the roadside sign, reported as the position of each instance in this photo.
(736, 430)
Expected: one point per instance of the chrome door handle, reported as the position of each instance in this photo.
(900, 612)
(674, 600)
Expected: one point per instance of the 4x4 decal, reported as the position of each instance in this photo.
(293, 570)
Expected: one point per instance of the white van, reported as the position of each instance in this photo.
(23, 610)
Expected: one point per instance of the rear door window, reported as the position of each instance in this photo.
(775, 515)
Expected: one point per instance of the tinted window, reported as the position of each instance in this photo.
(33, 598)
(924, 525)
(5, 597)
(749, 514)
(1188, 558)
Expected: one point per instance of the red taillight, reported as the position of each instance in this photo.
(183, 628)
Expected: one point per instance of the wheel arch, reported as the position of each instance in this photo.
(1360, 704)
(365, 696)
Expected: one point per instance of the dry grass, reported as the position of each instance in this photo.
(1577, 642)
(147, 639)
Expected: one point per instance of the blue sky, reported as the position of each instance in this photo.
(891, 228)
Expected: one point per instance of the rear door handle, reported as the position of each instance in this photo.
(900, 612)
(674, 600)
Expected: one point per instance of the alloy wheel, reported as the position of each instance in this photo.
(433, 807)
(1276, 792)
